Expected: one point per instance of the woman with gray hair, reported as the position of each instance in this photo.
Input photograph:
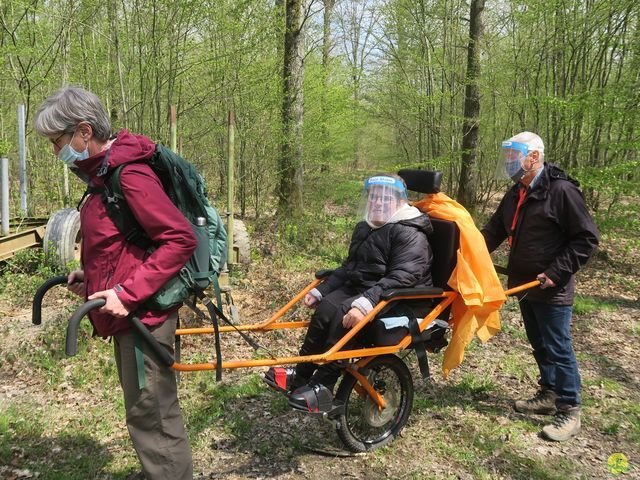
(124, 274)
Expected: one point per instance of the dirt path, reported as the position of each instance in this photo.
(59, 415)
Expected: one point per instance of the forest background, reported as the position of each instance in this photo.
(323, 87)
(325, 93)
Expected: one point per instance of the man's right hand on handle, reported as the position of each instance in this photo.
(75, 282)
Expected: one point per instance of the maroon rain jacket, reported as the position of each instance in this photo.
(108, 260)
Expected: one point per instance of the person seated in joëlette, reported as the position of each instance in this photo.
(389, 249)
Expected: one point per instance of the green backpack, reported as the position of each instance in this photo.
(186, 189)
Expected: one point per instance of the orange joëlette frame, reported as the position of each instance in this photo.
(335, 352)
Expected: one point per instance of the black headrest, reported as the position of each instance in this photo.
(423, 181)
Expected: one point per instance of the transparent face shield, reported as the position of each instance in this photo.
(382, 197)
(511, 161)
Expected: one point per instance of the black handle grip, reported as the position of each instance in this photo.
(74, 323)
(36, 309)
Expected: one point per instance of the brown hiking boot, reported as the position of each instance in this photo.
(565, 425)
(543, 403)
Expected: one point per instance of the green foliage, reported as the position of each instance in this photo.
(23, 273)
(622, 216)
(5, 147)
(390, 94)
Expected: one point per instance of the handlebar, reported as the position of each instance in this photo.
(72, 332)
(74, 322)
(36, 311)
(71, 346)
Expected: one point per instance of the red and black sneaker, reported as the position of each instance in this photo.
(313, 398)
(281, 379)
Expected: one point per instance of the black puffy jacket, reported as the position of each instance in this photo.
(554, 234)
(396, 255)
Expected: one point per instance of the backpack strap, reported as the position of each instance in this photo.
(139, 354)
(216, 330)
(119, 211)
(90, 190)
(216, 290)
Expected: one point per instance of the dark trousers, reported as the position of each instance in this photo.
(154, 418)
(548, 330)
(325, 330)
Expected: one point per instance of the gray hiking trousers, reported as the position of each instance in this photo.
(154, 418)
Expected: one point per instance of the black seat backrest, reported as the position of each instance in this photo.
(444, 242)
(445, 238)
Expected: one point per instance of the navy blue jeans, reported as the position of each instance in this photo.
(547, 328)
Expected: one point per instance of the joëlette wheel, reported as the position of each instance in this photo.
(362, 426)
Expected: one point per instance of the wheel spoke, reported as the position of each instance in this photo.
(364, 417)
(362, 425)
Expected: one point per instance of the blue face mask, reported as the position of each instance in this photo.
(69, 156)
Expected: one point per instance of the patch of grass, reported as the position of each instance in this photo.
(511, 306)
(22, 274)
(238, 424)
(584, 305)
(634, 328)
(475, 385)
(279, 405)
(489, 450)
(420, 476)
(630, 411)
(517, 332)
(514, 365)
(212, 399)
(619, 417)
(46, 354)
(611, 429)
(71, 454)
(474, 345)
(606, 384)
(15, 421)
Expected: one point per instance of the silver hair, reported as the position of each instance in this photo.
(533, 141)
(66, 108)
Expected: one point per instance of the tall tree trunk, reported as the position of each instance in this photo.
(468, 176)
(117, 114)
(290, 191)
(326, 49)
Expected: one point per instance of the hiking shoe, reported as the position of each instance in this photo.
(566, 424)
(543, 403)
(281, 379)
(313, 398)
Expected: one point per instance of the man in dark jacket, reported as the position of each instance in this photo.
(389, 249)
(551, 235)
(124, 274)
